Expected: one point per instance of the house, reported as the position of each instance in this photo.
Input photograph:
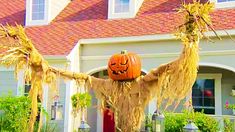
(81, 35)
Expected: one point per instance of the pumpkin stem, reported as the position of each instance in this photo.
(124, 52)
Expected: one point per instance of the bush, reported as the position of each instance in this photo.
(228, 125)
(176, 122)
(47, 127)
(15, 113)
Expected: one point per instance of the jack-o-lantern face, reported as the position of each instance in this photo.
(124, 66)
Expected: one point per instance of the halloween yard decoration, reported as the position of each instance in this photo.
(124, 66)
(126, 92)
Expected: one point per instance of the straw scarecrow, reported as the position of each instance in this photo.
(126, 91)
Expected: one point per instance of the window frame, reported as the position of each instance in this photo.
(29, 21)
(120, 15)
(32, 12)
(26, 93)
(227, 4)
(217, 77)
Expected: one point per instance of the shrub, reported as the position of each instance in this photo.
(47, 127)
(228, 125)
(15, 113)
(176, 122)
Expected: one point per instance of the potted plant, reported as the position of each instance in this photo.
(80, 101)
(230, 106)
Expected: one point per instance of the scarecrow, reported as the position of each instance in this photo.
(126, 92)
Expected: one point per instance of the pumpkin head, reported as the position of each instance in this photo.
(124, 66)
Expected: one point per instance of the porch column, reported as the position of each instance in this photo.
(69, 122)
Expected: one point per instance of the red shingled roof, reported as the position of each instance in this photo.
(12, 11)
(83, 19)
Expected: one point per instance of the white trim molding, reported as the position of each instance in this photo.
(226, 4)
(134, 6)
(218, 97)
(217, 66)
(92, 71)
(146, 38)
(20, 83)
(165, 55)
(69, 120)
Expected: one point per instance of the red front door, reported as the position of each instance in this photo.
(108, 121)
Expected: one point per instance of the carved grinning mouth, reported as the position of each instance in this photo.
(119, 72)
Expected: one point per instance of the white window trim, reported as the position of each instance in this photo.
(113, 15)
(20, 83)
(217, 77)
(133, 9)
(29, 21)
(228, 4)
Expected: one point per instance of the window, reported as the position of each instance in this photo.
(27, 88)
(38, 9)
(122, 6)
(224, 3)
(203, 95)
(224, 0)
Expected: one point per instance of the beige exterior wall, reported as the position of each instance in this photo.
(56, 6)
(8, 82)
(154, 53)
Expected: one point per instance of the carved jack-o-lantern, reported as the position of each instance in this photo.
(124, 66)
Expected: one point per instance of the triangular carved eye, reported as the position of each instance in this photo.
(113, 64)
(125, 63)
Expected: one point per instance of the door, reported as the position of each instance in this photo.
(108, 121)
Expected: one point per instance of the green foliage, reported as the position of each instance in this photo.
(176, 122)
(47, 127)
(15, 113)
(229, 106)
(228, 125)
(206, 123)
(148, 121)
(81, 100)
